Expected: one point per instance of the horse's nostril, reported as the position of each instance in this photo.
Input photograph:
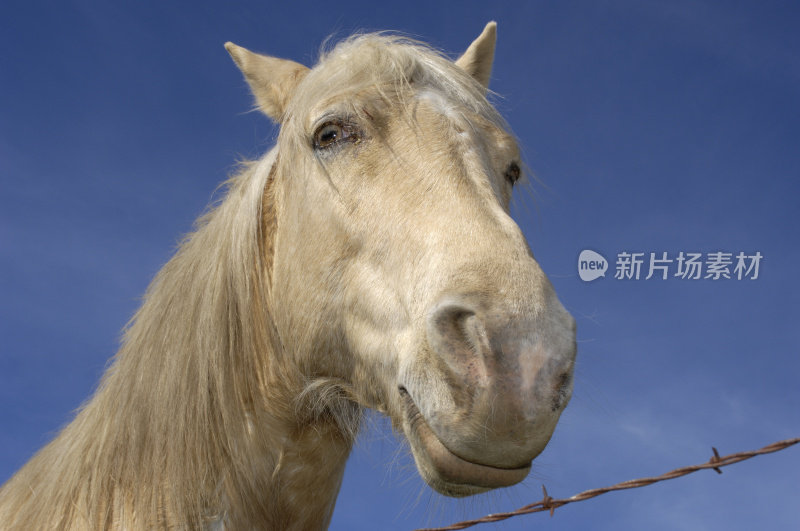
(449, 321)
(457, 335)
(561, 391)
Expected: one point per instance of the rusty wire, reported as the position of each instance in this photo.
(550, 504)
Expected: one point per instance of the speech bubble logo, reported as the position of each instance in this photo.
(591, 265)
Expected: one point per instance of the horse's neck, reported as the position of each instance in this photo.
(194, 422)
(306, 478)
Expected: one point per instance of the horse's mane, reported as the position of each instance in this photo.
(170, 414)
(194, 392)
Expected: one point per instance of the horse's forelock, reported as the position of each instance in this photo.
(390, 66)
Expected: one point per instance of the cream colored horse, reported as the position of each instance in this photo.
(368, 260)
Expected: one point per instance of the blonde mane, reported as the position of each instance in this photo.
(173, 411)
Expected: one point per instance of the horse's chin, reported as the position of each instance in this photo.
(443, 470)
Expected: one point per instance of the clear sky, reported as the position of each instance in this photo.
(652, 127)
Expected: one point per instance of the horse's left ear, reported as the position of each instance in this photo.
(271, 80)
(477, 60)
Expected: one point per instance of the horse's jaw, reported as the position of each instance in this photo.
(443, 470)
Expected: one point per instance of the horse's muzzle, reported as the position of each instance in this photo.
(504, 378)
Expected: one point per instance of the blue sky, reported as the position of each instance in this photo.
(651, 126)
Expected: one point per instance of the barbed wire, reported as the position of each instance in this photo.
(550, 504)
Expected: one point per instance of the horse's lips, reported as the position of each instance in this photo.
(450, 467)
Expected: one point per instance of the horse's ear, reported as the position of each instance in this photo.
(272, 80)
(477, 60)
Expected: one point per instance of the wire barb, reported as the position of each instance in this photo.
(547, 502)
(714, 460)
(550, 504)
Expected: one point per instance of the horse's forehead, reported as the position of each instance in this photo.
(396, 100)
(466, 120)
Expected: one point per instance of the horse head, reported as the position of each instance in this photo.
(393, 263)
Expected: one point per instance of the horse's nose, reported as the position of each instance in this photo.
(509, 374)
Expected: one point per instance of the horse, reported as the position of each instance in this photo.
(368, 260)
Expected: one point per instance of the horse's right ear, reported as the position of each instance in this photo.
(271, 80)
(477, 60)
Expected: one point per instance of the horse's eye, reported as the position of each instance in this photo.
(332, 133)
(513, 172)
